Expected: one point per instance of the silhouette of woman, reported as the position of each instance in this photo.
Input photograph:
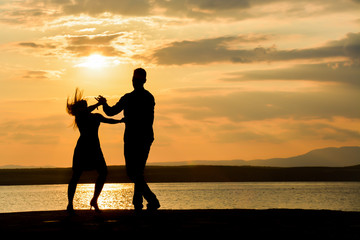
(87, 154)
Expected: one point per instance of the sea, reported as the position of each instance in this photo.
(344, 196)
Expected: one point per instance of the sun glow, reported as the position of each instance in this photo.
(94, 61)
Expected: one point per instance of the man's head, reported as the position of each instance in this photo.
(139, 78)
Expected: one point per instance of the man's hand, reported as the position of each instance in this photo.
(101, 100)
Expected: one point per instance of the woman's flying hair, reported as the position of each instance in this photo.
(77, 105)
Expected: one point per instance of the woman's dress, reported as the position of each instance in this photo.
(88, 154)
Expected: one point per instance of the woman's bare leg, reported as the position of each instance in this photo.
(72, 188)
(98, 187)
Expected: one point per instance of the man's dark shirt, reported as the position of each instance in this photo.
(138, 107)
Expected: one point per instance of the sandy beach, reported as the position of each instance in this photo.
(283, 223)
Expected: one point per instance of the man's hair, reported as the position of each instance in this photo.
(140, 73)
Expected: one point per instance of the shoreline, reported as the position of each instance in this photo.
(290, 223)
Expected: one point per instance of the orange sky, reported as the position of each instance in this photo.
(232, 79)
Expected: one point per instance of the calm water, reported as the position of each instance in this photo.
(305, 195)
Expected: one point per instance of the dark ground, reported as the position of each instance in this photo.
(173, 224)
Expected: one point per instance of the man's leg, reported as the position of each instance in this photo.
(144, 189)
(138, 194)
(131, 156)
(136, 155)
(153, 202)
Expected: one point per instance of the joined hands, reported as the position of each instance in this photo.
(101, 100)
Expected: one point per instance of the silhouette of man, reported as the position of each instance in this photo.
(138, 107)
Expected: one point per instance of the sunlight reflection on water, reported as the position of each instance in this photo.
(247, 195)
(113, 196)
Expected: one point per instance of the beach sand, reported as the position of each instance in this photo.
(237, 223)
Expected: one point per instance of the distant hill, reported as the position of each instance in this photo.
(117, 174)
(325, 157)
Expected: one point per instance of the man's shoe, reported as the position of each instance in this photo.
(138, 208)
(153, 206)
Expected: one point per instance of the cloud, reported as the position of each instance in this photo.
(322, 131)
(35, 74)
(83, 51)
(124, 7)
(338, 72)
(42, 130)
(350, 45)
(220, 4)
(258, 106)
(204, 9)
(299, 130)
(211, 10)
(35, 45)
(16, 14)
(40, 12)
(245, 135)
(21, 11)
(329, 115)
(42, 74)
(78, 45)
(34, 138)
(40, 47)
(93, 39)
(209, 50)
(219, 49)
(86, 45)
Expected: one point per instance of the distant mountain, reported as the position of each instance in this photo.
(329, 157)
(325, 157)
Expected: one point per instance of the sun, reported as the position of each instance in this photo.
(94, 61)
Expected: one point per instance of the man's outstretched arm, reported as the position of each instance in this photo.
(111, 111)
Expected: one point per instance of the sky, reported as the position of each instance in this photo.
(232, 79)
